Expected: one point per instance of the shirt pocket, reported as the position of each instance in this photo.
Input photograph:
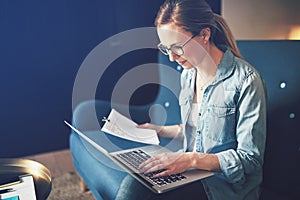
(220, 125)
(222, 111)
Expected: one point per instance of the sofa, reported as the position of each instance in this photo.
(277, 61)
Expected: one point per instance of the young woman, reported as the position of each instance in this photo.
(223, 108)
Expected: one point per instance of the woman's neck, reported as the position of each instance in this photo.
(216, 54)
(210, 63)
(207, 71)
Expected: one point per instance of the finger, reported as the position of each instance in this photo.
(152, 166)
(146, 125)
(163, 173)
(145, 163)
(152, 159)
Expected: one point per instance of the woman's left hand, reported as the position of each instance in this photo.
(171, 162)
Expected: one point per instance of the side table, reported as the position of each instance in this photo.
(18, 167)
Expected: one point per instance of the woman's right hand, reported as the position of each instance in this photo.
(158, 129)
(164, 131)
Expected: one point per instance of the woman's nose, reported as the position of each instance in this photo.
(173, 56)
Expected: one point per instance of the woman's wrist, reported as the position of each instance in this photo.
(204, 161)
(160, 131)
(169, 131)
(179, 130)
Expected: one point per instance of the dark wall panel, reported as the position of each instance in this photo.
(43, 44)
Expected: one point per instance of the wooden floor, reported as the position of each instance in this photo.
(58, 162)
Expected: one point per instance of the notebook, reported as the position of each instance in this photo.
(130, 159)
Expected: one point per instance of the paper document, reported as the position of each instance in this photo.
(120, 126)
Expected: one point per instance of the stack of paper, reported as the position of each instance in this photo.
(120, 126)
(19, 188)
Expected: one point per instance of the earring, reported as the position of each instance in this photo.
(204, 40)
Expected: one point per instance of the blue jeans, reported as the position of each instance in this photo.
(131, 189)
(108, 181)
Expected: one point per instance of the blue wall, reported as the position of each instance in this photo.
(42, 45)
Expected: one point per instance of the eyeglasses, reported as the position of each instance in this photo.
(176, 49)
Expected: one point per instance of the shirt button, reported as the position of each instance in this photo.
(199, 114)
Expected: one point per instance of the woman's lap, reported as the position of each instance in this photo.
(131, 189)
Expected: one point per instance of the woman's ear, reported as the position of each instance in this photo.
(205, 34)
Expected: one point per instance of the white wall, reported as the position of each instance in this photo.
(262, 19)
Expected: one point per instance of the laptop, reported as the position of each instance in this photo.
(130, 159)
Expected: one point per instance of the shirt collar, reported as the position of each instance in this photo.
(226, 65)
(224, 70)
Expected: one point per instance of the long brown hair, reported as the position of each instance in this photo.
(194, 15)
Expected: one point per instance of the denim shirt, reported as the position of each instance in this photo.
(231, 124)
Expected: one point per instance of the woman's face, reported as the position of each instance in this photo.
(194, 51)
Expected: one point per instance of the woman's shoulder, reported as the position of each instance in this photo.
(246, 73)
(244, 68)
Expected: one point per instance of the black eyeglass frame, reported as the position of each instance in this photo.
(174, 48)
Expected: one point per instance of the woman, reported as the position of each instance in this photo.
(223, 107)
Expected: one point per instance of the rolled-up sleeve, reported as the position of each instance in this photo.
(231, 166)
(247, 158)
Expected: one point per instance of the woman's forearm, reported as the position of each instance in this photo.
(170, 131)
(204, 161)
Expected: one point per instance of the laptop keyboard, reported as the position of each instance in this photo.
(136, 157)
